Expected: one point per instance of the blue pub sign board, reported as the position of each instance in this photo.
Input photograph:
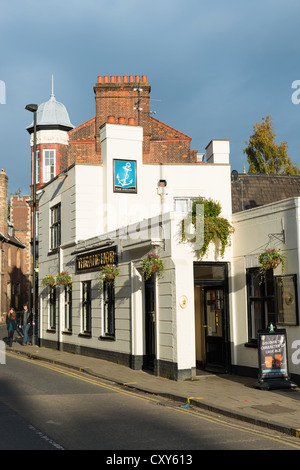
(125, 180)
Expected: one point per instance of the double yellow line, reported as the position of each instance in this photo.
(195, 413)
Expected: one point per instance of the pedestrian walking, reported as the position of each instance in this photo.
(19, 326)
(11, 324)
(26, 320)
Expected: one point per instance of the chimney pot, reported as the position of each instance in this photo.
(125, 78)
(111, 119)
(144, 78)
(131, 78)
(131, 122)
(121, 120)
(106, 79)
(99, 79)
(119, 79)
(112, 79)
(137, 78)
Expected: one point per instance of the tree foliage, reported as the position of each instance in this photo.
(264, 155)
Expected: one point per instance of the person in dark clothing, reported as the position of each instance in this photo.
(26, 320)
(11, 324)
(19, 326)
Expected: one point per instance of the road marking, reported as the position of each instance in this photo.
(197, 414)
(45, 438)
(281, 439)
(87, 379)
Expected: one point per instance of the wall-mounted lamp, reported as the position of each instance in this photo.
(161, 188)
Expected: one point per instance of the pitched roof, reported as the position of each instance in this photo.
(250, 190)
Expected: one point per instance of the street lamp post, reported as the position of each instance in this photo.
(33, 108)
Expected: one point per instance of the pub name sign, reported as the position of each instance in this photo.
(96, 260)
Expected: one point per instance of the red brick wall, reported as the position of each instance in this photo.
(60, 160)
(20, 216)
(15, 261)
(116, 97)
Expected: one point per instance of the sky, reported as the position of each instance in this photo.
(215, 68)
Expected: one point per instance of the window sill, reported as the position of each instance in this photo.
(52, 252)
(51, 330)
(67, 332)
(107, 338)
(85, 334)
(251, 344)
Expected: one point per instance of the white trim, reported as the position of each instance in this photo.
(47, 178)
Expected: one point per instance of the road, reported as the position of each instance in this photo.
(46, 406)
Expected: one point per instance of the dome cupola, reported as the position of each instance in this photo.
(52, 115)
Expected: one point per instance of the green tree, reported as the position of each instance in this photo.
(264, 155)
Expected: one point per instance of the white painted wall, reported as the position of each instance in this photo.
(189, 180)
(50, 136)
(90, 209)
(253, 234)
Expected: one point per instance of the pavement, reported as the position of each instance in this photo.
(228, 395)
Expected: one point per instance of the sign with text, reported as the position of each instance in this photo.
(95, 260)
(272, 354)
(125, 176)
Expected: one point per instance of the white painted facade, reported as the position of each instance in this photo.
(277, 226)
(95, 217)
(136, 223)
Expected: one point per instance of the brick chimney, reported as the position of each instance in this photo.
(124, 97)
(3, 202)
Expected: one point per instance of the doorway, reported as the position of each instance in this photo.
(150, 325)
(211, 320)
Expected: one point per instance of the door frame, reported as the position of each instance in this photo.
(216, 284)
(150, 325)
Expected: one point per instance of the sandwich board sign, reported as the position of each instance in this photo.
(272, 359)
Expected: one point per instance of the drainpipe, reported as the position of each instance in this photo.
(1, 272)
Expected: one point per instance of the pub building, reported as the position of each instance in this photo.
(121, 199)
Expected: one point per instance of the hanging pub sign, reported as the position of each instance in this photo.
(272, 359)
(125, 179)
(95, 260)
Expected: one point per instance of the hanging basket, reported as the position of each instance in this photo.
(155, 268)
(151, 265)
(273, 263)
(270, 259)
(109, 274)
(49, 281)
(64, 279)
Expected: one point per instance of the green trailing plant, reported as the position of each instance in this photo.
(49, 281)
(64, 278)
(152, 264)
(109, 273)
(270, 259)
(214, 227)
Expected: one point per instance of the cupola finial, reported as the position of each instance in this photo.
(52, 91)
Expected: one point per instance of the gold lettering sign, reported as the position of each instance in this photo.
(95, 260)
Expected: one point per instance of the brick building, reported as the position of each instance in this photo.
(204, 312)
(121, 100)
(15, 255)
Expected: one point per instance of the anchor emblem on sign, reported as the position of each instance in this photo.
(124, 182)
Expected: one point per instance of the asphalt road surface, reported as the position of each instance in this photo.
(45, 406)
